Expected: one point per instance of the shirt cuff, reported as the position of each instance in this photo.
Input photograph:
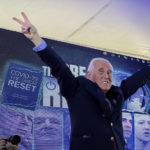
(41, 47)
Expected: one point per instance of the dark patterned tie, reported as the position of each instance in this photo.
(108, 108)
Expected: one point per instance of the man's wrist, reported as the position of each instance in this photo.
(37, 40)
(40, 47)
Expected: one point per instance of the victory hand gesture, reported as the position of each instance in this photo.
(28, 29)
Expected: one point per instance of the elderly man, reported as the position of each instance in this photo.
(94, 103)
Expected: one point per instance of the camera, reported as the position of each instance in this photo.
(14, 140)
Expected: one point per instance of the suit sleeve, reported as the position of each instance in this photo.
(137, 80)
(66, 80)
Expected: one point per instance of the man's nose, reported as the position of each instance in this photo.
(147, 126)
(106, 75)
(128, 124)
(47, 122)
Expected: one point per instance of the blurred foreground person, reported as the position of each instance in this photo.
(11, 143)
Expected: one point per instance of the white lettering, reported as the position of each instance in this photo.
(82, 71)
(19, 74)
(33, 88)
(74, 70)
(23, 86)
(28, 87)
(11, 82)
(47, 70)
(17, 84)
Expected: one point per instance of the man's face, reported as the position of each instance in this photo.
(24, 123)
(142, 127)
(17, 122)
(101, 74)
(127, 124)
(47, 126)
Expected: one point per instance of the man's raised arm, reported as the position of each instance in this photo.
(59, 69)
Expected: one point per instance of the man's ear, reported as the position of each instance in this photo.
(88, 75)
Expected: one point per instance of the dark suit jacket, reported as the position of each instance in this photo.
(91, 127)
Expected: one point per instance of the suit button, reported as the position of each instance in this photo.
(112, 138)
(85, 136)
(103, 116)
(111, 124)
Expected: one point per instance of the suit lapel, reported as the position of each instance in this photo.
(98, 94)
(115, 97)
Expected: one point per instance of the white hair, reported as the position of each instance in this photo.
(91, 66)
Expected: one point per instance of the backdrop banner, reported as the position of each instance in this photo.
(21, 86)
(44, 110)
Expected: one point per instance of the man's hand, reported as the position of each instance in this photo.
(28, 29)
